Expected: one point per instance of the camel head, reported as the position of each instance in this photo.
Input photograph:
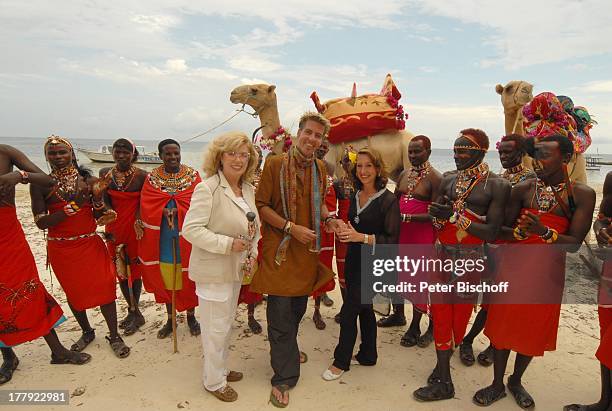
(258, 96)
(515, 94)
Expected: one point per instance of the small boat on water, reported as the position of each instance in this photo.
(105, 155)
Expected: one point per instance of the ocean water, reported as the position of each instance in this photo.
(192, 155)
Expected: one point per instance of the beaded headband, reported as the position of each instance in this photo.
(473, 141)
(54, 140)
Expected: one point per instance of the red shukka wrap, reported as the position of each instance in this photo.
(82, 265)
(125, 204)
(451, 319)
(604, 353)
(27, 311)
(529, 329)
(151, 209)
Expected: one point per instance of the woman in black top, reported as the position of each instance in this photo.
(374, 218)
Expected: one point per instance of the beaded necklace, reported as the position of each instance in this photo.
(67, 179)
(123, 179)
(464, 184)
(545, 195)
(172, 182)
(516, 174)
(415, 176)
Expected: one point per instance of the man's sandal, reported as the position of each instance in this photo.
(485, 358)
(466, 354)
(576, 407)
(521, 396)
(435, 392)
(128, 319)
(283, 388)
(134, 325)
(165, 331)
(254, 325)
(409, 339)
(425, 340)
(7, 369)
(77, 358)
(303, 357)
(86, 338)
(318, 321)
(194, 326)
(119, 348)
(488, 395)
(234, 376)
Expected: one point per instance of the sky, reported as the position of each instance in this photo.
(156, 69)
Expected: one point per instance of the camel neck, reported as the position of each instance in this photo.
(268, 116)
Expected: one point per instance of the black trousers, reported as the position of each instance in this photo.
(353, 309)
(284, 315)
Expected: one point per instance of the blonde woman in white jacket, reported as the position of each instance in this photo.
(224, 249)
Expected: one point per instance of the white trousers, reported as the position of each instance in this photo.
(217, 310)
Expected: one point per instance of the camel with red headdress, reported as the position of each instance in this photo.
(374, 120)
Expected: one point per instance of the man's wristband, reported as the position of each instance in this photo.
(25, 177)
(287, 227)
(328, 219)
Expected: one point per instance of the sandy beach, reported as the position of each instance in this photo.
(154, 378)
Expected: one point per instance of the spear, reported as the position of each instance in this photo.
(174, 294)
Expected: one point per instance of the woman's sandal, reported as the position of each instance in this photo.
(488, 395)
(79, 358)
(283, 388)
(521, 396)
(86, 338)
(466, 354)
(485, 358)
(254, 325)
(409, 339)
(194, 326)
(6, 371)
(119, 348)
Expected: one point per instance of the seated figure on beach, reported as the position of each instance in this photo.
(123, 196)
(545, 217)
(27, 310)
(469, 211)
(70, 211)
(511, 151)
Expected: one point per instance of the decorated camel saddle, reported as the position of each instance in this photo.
(361, 116)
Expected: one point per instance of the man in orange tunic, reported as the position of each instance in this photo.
(470, 211)
(541, 212)
(123, 196)
(290, 201)
(165, 199)
(27, 310)
(75, 251)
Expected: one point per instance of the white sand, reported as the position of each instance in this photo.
(154, 378)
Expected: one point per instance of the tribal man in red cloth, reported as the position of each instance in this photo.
(327, 246)
(469, 212)
(416, 189)
(511, 151)
(79, 258)
(163, 252)
(603, 231)
(27, 311)
(123, 196)
(343, 187)
(541, 213)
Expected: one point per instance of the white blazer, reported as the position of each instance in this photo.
(212, 222)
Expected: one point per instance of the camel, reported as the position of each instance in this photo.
(393, 146)
(514, 96)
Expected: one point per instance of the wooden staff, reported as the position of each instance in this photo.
(174, 295)
(128, 271)
(570, 190)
